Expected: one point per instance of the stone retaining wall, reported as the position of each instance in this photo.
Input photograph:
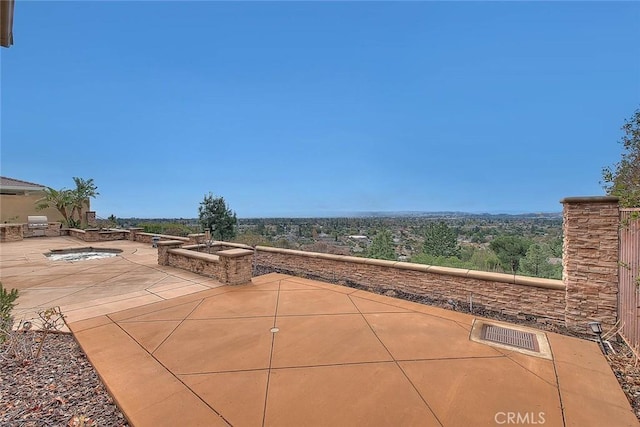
(518, 296)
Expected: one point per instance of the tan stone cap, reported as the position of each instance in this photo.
(169, 242)
(591, 199)
(195, 255)
(449, 271)
(232, 244)
(234, 253)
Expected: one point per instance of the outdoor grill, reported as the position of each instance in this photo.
(37, 224)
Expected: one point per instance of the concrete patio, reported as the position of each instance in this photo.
(175, 348)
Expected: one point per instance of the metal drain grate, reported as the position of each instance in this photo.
(513, 337)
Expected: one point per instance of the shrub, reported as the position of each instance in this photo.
(7, 302)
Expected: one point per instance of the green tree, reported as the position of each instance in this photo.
(85, 190)
(536, 263)
(623, 180)
(440, 240)
(382, 246)
(217, 217)
(62, 200)
(442, 261)
(485, 260)
(509, 250)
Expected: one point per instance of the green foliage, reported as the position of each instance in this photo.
(217, 217)
(169, 228)
(69, 202)
(62, 200)
(485, 260)
(623, 180)
(510, 249)
(536, 263)
(7, 302)
(85, 190)
(442, 261)
(440, 240)
(475, 259)
(252, 238)
(382, 246)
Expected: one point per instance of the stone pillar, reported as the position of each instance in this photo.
(196, 238)
(133, 231)
(91, 219)
(163, 250)
(237, 266)
(590, 261)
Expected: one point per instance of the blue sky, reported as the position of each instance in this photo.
(319, 108)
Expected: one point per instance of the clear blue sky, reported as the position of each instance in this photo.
(319, 108)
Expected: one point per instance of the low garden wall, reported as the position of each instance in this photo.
(18, 231)
(97, 235)
(231, 266)
(523, 297)
(133, 234)
(11, 232)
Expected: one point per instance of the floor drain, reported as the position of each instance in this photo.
(513, 337)
(274, 330)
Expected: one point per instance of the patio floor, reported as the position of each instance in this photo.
(286, 351)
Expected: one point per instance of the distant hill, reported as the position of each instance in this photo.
(379, 214)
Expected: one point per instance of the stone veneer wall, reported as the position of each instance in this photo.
(522, 297)
(18, 231)
(148, 237)
(97, 235)
(11, 232)
(230, 266)
(590, 261)
(133, 234)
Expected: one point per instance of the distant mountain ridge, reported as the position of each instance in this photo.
(387, 214)
(456, 214)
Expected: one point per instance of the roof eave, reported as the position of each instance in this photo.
(6, 23)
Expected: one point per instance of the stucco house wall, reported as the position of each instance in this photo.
(18, 201)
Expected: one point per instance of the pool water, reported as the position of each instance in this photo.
(81, 254)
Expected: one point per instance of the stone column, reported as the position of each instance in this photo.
(237, 266)
(590, 261)
(91, 219)
(133, 231)
(196, 238)
(163, 250)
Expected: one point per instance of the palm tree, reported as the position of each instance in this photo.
(62, 200)
(85, 190)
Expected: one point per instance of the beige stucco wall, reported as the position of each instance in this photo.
(22, 206)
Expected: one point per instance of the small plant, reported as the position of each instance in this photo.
(7, 302)
(25, 346)
(81, 421)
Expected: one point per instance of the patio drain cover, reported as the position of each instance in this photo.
(513, 337)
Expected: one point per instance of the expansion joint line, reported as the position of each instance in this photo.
(273, 339)
(397, 364)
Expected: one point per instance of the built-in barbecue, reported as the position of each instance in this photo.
(37, 224)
